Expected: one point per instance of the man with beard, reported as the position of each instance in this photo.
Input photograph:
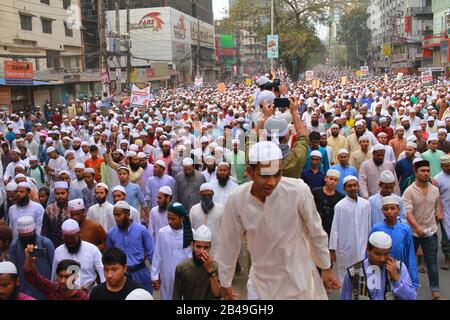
(102, 211)
(84, 154)
(166, 155)
(336, 141)
(76, 146)
(187, 185)
(443, 144)
(352, 143)
(210, 171)
(315, 126)
(135, 240)
(176, 165)
(73, 193)
(237, 159)
(404, 167)
(158, 214)
(171, 248)
(147, 169)
(344, 169)
(404, 121)
(362, 154)
(10, 282)
(56, 213)
(31, 144)
(90, 230)
(25, 207)
(87, 254)
(37, 172)
(208, 213)
(89, 191)
(56, 163)
(119, 194)
(109, 174)
(28, 236)
(134, 167)
(9, 171)
(79, 182)
(399, 142)
(196, 278)
(158, 180)
(433, 155)
(384, 128)
(370, 173)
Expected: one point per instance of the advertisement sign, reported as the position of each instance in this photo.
(272, 47)
(387, 51)
(364, 71)
(408, 24)
(309, 75)
(18, 72)
(151, 20)
(198, 82)
(140, 94)
(427, 77)
(316, 84)
(179, 27)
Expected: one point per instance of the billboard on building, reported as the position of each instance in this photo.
(226, 41)
(18, 72)
(140, 94)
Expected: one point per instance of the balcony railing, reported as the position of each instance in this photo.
(418, 11)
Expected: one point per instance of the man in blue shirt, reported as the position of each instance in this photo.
(135, 241)
(314, 138)
(314, 177)
(404, 168)
(402, 241)
(344, 169)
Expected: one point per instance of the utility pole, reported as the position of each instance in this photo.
(128, 48)
(102, 39)
(117, 9)
(272, 27)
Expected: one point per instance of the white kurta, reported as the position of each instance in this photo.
(102, 214)
(158, 220)
(169, 252)
(285, 239)
(209, 176)
(221, 194)
(33, 209)
(59, 164)
(349, 232)
(211, 220)
(77, 184)
(90, 259)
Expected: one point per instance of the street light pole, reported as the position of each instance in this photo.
(272, 14)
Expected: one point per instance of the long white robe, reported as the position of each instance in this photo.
(285, 239)
(221, 194)
(169, 252)
(157, 221)
(349, 232)
(211, 220)
(102, 214)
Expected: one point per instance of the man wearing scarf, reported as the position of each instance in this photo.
(208, 213)
(172, 247)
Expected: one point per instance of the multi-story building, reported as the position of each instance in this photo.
(438, 40)
(42, 39)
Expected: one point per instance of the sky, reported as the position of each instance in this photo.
(218, 7)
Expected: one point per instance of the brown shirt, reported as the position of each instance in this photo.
(94, 233)
(398, 145)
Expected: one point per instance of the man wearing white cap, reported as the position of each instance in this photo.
(389, 154)
(370, 172)
(37, 172)
(158, 214)
(78, 182)
(15, 160)
(208, 212)
(87, 254)
(159, 179)
(31, 144)
(383, 277)
(187, 185)
(336, 141)
(313, 176)
(362, 154)
(222, 184)
(400, 232)
(109, 174)
(197, 278)
(134, 169)
(433, 155)
(327, 197)
(88, 193)
(404, 167)
(266, 232)
(27, 236)
(25, 207)
(237, 160)
(210, 170)
(443, 144)
(344, 169)
(442, 180)
(399, 142)
(56, 163)
(102, 210)
(350, 228)
(9, 290)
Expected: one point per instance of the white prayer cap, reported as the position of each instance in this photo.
(359, 123)
(131, 154)
(166, 190)
(363, 138)
(160, 163)
(79, 165)
(235, 141)
(24, 184)
(380, 240)
(203, 234)
(120, 151)
(122, 205)
(262, 80)
(334, 126)
(316, 153)
(333, 173)
(187, 162)
(167, 143)
(25, 224)
(33, 158)
(51, 149)
(70, 226)
(124, 141)
(342, 151)
(379, 147)
(68, 152)
(411, 144)
(119, 188)
(348, 178)
(210, 159)
(7, 267)
(223, 163)
(76, 139)
(412, 138)
(264, 151)
(265, 95)
(432, 137)
(102, 185)
(89, 170)
(387, 177)
(383, 119)
(390, 200)
(11, 186)
(204, 139)
(382, 134)
(141, 155)
(442, 130)
(84, 143)
(430, 118)
(139, 294)
(400, 128)
(276, 123)
(49, 140)
(76, 205)
(206, 186)
(19, 175)
(61, 185)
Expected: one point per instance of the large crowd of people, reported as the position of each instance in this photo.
(325, 187)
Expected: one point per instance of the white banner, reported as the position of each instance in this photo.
(140, 94)
(309, 75)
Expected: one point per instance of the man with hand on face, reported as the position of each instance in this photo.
(196, 278)
(208, 213)
(87, 254)
(64, 287)
(383, 277)
(117, 285)
(28, 236)
(158, 214)
(135, 241)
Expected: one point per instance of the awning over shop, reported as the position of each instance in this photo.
(35, 83)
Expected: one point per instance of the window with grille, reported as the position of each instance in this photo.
(68, 29)
(25, 22)
(46, 26)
